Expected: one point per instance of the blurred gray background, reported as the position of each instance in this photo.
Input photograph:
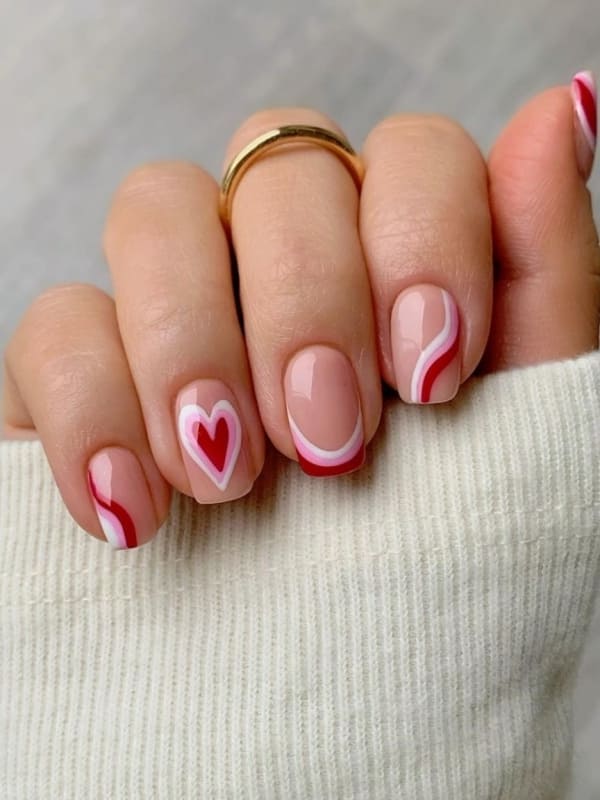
(91, 88)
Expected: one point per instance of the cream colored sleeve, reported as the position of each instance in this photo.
(411, 631)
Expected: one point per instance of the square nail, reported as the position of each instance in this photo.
(212, 442)
(425, 339)
(324, 412)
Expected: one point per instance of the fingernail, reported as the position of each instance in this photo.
(585, 100)
(121, 498)
(212, 442)
(324, 413)
(425, 345)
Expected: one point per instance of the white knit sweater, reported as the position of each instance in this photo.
(410, 631)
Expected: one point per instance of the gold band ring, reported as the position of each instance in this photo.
(337, 144)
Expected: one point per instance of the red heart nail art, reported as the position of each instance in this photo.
(215, 446)
(212, 440)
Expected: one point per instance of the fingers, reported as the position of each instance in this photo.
(305, 297)
(170, 266)
(69, 380)
(426, 233)
(547, 293)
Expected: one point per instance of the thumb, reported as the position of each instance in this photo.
(547, 291)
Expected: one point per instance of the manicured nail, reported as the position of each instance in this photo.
(212, 442)
(585, 100)
(324, 413)
(121, 498)
(425, 344)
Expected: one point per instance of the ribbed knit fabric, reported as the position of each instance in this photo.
(410, 631)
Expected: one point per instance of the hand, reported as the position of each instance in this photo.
(161, 388)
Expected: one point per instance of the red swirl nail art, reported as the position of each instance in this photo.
(319, 462)
(116, 523)
(437, 355)
(586, 106)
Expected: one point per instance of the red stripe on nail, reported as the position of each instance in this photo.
(214, 446)
(588, 103)
(436, 368)
(119, 512)
(322, 472)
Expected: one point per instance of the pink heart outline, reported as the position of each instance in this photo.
(192, 414)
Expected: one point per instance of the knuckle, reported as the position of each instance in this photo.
(66, 377)
(45, 332)
(163, 322)
(435, 125)
(289, 271)
(57, 309)
(157, 316)
(263, 120)
(67, 373)
(161, 326)
(62, 298)
(296, 271)
(151, 180)
(417, 238)
(158, 185)
(446, 128)
(300, 292)
(434, 131)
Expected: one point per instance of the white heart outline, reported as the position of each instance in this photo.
(221, 410)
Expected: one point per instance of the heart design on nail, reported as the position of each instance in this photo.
(213, 441)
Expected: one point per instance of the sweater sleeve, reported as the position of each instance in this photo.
(412, 630)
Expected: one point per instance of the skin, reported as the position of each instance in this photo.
(512, 239)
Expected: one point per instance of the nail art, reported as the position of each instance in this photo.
(319, 462)
(437, 355)
(324, 411)
(116, 523)
(424, 337)
(585, 99)
(213, 441)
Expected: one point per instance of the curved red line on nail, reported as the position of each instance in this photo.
(318, 471)
(436, 368)
(588, 103)
(119, 512)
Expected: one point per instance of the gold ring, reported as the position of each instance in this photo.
(286, 134)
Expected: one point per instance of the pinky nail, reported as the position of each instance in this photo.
(121, 498)
(585, 101)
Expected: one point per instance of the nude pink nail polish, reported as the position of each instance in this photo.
(425, 339)
(324, 412)
(121, 498)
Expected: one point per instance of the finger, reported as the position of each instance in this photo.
(21, 427)
(426, 233)
(69, 380)
(170, 266)
(547, 293)
(306, 299)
